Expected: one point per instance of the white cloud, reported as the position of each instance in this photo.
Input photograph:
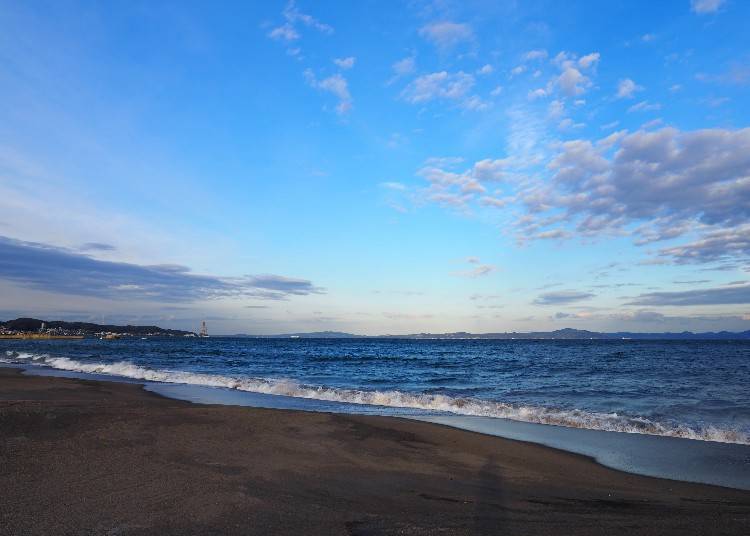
(489, 201)
(479, 269)
(515, 71)
(294, 15)
(532, 55)
(490, 170)
(285, 32)
(472, 186)
(725, 244)
(572, 82)
(568, 123)
(652, 124)
(715, 102)
(345, 63)
(655, 186)
(443, 86)
(645, 106)
(336, 85)
(474, 103)
(626, 89)
(457, 189)
(495, 92)
(404, 66)
(396, 140)
(393, 186)
(446, 35)
(553, 234)
(589, 60)
(486, 69)
(556, 109)
(535, 94)
(702, 7)
(444, 161)
(289, 31)
(671, 182)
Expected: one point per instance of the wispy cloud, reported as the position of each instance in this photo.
(59, 270)
(393, 186)
(572, 81)
(704, 7)
(645, 106)
(730, 295)
(404, 66)
(345, 63)
(285, 32)
(96, 246)
(294, 17)
(289, 32)
(441, 85)
(446, 34)
(533, 55)
(478, 269)
(626, 89)
(335, 84)
(562, 297)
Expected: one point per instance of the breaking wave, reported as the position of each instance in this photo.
(575, 418)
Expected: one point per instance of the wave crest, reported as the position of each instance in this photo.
(575, 418)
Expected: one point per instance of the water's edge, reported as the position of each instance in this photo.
(705, 462)
(393, 398)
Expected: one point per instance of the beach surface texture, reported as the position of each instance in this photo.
(88, 457)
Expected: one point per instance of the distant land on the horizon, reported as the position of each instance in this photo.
(86, 328)
(566, 333)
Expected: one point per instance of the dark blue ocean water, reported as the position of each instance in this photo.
(695, 389)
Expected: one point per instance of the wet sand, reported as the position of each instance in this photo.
(87, 457)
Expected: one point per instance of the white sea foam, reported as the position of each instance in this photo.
(11, 355)
(461, 406)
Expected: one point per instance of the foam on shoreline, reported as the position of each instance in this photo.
(575, 418)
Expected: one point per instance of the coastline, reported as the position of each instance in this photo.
(111, 457)
(701, 461)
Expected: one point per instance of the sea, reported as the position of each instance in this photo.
(623, 402)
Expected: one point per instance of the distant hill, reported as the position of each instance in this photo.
(564, 334)
(87, 328)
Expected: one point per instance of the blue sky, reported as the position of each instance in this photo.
(377, 167)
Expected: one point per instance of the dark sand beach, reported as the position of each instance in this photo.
(87, 457)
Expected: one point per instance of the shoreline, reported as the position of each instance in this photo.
(95, 456)
(684, 459)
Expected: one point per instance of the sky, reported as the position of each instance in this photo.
(377, 167)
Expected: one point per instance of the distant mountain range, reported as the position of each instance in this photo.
(86, 328)
(567, 333)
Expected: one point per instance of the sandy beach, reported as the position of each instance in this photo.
(87, 457)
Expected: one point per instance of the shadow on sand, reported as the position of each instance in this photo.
(489, 509)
